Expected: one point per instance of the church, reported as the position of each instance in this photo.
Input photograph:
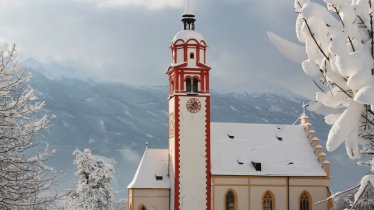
(225, 166)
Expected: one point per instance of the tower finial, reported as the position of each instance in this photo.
(188, 9)
(188, 18)
(304, 107)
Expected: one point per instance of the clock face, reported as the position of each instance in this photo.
(193, 105)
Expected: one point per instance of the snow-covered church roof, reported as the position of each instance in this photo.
(152, 171)
(281, 150)
(237, 149)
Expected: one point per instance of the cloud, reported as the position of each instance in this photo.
(127, 40)
(149, 4)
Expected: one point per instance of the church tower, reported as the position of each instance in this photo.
(189, 119)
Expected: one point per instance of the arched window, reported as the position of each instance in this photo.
(195, 85)
(192, 56)
(305, 201)
(268, 201)
(230, 200)
(188, 85)
(142, 207)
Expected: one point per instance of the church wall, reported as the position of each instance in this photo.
(251, 189)
(180, 55)
(273, 181)
(241, 195)
(150, 198)
(230, 180)
(202, 55)
(191, 62)
(310, 181)
(279, 193)
(316, 187)
(316, 193)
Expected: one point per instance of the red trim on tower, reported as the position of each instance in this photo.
(185, 53)
(197, 77)
(207, 148)
(176, 79)
(207, 83)
(182, 81)
(198, 54)
(174, 54)
(203, 66)
(176, 136)
(202, 89)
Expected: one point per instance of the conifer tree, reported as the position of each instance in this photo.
(93, 188)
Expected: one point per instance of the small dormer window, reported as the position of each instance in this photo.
(158, 177)
(256, 165)
(192, 56)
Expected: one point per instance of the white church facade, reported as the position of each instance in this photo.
(225, 166)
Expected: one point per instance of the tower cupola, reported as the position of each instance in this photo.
(188, 72)
(188, 18)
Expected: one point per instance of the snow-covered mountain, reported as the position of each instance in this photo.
(116, 121)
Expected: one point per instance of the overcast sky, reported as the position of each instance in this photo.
(127, 40)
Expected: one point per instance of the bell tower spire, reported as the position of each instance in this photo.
(189, 119)
(188, 18)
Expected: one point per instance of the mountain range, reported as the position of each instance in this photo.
(118, 121)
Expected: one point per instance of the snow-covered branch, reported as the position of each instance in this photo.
(24, 176)
(339, 44)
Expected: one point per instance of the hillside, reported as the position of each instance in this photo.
(115, 121)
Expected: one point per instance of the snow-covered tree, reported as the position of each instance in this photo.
(93, 188)
(24, 176)
(346, 200)
(339, 47)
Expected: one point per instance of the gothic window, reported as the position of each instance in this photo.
(230, 200)
(268, 201)
(195, 85)
(192, 56)
(142, 207)
(305, 201)
(188, 85)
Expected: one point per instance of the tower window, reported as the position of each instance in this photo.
(195, 85)
(188, 85)
(192, 56)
